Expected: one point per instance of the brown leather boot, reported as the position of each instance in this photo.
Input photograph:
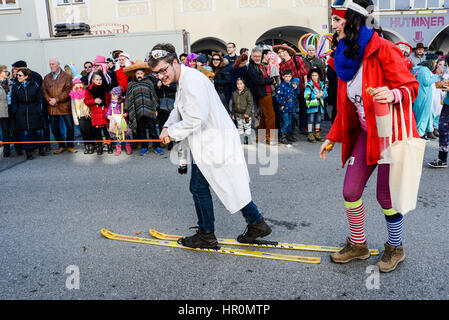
(351, 252)
(391, 258)
(60, 150)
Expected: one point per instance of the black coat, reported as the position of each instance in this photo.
(26, 102)
(257, 83)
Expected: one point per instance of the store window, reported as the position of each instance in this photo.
(64, 2)
(9, 4)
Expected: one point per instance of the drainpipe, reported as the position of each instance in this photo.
(50, 25)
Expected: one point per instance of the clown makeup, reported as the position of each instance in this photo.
(338, 24)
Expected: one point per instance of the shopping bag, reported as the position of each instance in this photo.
(406, 167)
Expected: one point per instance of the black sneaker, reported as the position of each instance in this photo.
(252, 232)
(200, 240)
(438, 164)
(430, 135)
(291, 138)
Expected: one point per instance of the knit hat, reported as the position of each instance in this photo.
(202, 58)
(116, 91)
(19, 64)
(431, 57)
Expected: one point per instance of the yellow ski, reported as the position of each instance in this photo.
(261, 243)
(166, 243)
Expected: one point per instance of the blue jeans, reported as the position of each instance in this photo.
(287, 122)
(199, 187)
(314, 118)
(70, 133)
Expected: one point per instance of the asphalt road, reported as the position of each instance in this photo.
(52, 210)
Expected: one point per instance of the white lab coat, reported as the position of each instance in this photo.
(200, 117)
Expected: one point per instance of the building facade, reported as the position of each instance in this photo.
(213, 23)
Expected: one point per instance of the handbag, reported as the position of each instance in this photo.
(405, 170)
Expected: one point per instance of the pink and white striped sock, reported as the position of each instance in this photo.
(356, 218)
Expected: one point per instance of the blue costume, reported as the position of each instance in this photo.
(423, 103)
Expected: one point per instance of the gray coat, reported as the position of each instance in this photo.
(3, 104)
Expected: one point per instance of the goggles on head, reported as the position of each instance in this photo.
(339, 8)
(158, 54)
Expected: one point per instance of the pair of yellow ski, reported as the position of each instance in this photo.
(167, 240)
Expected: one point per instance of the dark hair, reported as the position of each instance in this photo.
(87, 63)
(243, 50)
(315, 69)
(354, 21)
(172, 56)
(183, 55)
(240, 79)
(239, 60)
(27, 73)
(287, 71)
(232, 44)
(265, 52)
(100, 74)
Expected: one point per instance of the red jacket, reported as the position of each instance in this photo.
(383, 65)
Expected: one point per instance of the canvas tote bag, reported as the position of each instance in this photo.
(405, 170)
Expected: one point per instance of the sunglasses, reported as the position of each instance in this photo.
(20, 75)
(215, 59)
(88, 67)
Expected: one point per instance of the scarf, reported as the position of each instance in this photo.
(317, 84)
(78, 94)
(347, 68)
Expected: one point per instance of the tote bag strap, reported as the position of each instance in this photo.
(403, 126)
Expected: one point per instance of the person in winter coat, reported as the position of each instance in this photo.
(314, 95)
(5, 113)
(142, 105)
(239, 70)
(98, 99)
(368, 62)
(56, 89)
(26, 103)
(260, 84)
(286, 99)
(242, 105)
(123, 61)
(81, 114)
(423, 103)
(222, 79)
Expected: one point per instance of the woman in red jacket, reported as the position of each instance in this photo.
(363, 59)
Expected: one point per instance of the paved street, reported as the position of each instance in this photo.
(52, 210)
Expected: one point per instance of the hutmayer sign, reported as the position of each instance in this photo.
(416, 28)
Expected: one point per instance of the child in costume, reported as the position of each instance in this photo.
(81, 114)
(118, 124)
(98, 98)
(314, 94)
(286, 99)
(242, 105)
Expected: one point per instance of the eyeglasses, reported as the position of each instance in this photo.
(216, 59)
(162, 71)
(158, 54)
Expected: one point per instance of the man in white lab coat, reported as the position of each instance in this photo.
(200, 120)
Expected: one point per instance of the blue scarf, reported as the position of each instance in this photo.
(347, 68)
